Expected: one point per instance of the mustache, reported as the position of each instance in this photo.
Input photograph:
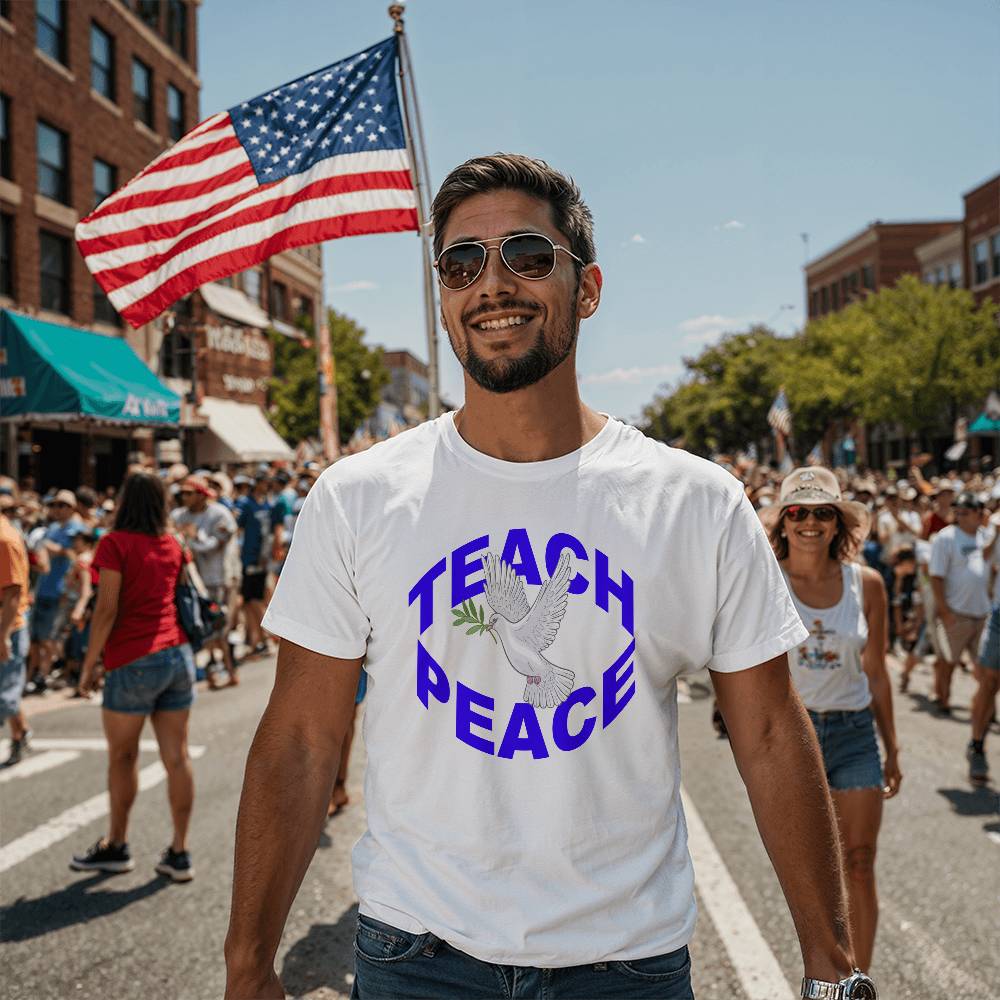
(491, 307)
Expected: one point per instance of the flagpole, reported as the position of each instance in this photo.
(421, 175)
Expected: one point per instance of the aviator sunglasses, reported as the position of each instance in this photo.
(798, 512)
(528, 255)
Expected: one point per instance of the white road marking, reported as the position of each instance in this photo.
(33, 765)
(68, 822)
(994, 836)
(752, 959)
(83, 743)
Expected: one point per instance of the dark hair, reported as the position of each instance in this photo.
(142, 505)
(514, 172)
(843, 547)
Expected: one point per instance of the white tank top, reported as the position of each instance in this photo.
(826, 668)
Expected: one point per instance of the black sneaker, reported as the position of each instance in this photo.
(104, 857)
(18, 748)
(979, 770)
(176, 865)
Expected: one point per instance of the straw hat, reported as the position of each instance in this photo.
(817, 487)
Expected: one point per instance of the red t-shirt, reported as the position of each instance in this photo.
(147, 611)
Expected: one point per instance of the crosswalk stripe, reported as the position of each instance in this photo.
(81, 743)
(752, 959)
(34, 765)
(69, 821)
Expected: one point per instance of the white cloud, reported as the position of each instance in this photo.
(630, 376)
(355, 286)
(731, 224)
(703, 329)
(637, 238)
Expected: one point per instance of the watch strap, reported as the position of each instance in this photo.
(817, 989)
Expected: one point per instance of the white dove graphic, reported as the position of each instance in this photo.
(525, 631)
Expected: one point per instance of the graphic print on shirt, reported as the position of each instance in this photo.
(522, 631)
(814, 654)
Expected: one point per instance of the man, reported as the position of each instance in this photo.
(960, 579)
(899, 526)
(525, 580)
(14, 600)
(262, 534)
(57, 544)
(207, 528)
(939, 516)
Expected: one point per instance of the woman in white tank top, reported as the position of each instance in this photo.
(840, 671)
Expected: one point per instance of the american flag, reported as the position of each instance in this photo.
(780, 416)
(318, 158)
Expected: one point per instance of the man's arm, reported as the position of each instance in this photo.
(941, 608)
(10, 599)
(779, 760)
(286, 790)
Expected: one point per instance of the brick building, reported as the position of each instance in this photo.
(981, 240)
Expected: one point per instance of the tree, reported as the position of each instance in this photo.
(360, 377)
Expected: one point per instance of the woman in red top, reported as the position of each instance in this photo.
(149, 670)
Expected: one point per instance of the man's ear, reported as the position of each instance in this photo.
(588, 296)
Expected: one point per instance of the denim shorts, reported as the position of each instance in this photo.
(392, 964)
(989, 648)
(44, 613)
(160, 682)
(850, 750)
(12, 673)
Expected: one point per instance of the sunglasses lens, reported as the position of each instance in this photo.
(531, 256)
(824, 513)
(460, 265)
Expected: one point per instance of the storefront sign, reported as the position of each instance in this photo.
(240, 342)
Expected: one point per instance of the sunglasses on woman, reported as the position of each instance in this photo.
(799, 512)
(528, 255)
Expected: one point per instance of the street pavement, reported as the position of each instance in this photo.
(68, 934)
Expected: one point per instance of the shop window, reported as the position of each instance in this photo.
(142, 92)
(104, 311)
(175, 112)
(6, 167)
(105, 180)
(53, 163)
(980, 262)
(50, 28)
(177, 27)
(102, 62)
(54, 258)
(175, 355)
(6, 254)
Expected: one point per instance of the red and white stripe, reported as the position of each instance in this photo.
(197, 213)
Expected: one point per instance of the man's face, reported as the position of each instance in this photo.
(60, 511)
(967, 519)
(504, 360)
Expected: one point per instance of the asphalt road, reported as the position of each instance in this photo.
(67, 934)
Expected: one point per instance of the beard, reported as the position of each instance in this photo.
(502, 375)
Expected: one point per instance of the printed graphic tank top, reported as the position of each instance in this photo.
(826, 668)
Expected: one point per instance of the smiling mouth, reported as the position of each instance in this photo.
(501, 323)
(810, 534)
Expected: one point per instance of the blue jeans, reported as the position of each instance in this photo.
(160, 682)
(850, 749)
(392, 964)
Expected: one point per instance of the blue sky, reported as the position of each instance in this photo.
(706, 137)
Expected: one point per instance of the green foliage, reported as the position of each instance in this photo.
(472, 615)
(359, 372)
(913, 354)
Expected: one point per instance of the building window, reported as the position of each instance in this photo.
(105, 180)
(50, 28)
(868, 277)
(102, 62)
(175, 355)
(304, 311)
(995, 246)
(5, 9)
(175, 112)
(104, 311)
(149, 13)
(955, 274)
(824, 299)
(251, 285)
(54, 254)
(177, 27)
(930, 278)
(142, 92)
(835, 296)
(852, 284)
(5, 142)
(6, 254)
(279, 300)
(980, 262)
(53, 170)
(813, 303)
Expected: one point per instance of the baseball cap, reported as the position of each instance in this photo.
(968, 501)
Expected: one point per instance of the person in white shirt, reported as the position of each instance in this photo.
(899, 527)
(525, 580)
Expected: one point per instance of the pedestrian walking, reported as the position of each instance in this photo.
(840, 672)
(525, 580)
(149, 671)
(14, 602)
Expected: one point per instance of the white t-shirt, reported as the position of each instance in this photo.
(894, 537)
(520, 833)
(957, 557)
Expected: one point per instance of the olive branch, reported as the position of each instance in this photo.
(473, 616)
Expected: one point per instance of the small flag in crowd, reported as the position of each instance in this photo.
(815, 457)
(779, 416)
(318, 158)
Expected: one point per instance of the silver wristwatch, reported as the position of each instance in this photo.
(856, 986)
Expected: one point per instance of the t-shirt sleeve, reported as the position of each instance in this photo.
(109, 554)
(7, 578)
(939, 555)
(755, 619)
(315, 602)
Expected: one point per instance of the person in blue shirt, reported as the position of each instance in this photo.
(262, 531)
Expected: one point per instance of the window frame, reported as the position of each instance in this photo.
(984, 244)
(176, 29)
(113, 169)
(171, 121)
(109, 70)
(138, 102)
(66, 279)
(63, 196)
(58, 30)
(994, 253)
(103, 310)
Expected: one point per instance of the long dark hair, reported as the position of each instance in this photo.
(142, 505)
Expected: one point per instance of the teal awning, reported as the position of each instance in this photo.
(53, 372)
(985, 424)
